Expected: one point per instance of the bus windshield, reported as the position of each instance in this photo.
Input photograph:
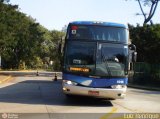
(90, 58)
(80, 57)
(93, 32)
(111, 60)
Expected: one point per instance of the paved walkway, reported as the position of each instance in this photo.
(4, 78)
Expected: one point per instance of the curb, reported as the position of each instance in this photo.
(143, 87)
(5, 79)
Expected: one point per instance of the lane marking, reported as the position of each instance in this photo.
(112, 115)
(132, 110)
(106, 116)
(5, 79)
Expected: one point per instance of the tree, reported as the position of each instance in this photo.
(153, 6)
(56, 39)
(147, 41)
(20, 37)
(24, 42)
(4, 1)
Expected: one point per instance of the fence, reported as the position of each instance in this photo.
(144, 73)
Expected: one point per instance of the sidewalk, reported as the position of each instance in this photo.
(144, 87)
(4, 78)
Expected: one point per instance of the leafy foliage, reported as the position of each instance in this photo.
(23, 42)
(153, 6)
(147, 40)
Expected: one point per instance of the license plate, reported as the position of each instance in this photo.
(95, 93)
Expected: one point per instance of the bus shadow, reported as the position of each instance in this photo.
(88, 101)
(45, 92)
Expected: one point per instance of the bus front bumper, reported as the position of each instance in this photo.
(95, 92)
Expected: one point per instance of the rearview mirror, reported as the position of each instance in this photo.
(133, 53)
(132, 47)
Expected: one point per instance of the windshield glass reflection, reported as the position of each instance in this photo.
(106, 60)
(110, 34)
(111, 60)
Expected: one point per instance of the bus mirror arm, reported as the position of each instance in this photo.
(59, 48)
(134, 56)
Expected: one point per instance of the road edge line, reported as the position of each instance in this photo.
(5, 79)
(143, 87)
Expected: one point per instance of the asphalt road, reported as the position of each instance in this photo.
(40, 97)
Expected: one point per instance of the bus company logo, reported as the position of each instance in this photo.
(4, 116)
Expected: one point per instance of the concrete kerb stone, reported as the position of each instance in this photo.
(143, 87)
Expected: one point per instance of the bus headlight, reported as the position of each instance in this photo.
(118, 86)
(69, 82)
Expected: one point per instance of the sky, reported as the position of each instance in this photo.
(55, 14)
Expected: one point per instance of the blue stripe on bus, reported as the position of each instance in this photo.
(96, 82)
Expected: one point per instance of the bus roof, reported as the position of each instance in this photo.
(98, 23)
